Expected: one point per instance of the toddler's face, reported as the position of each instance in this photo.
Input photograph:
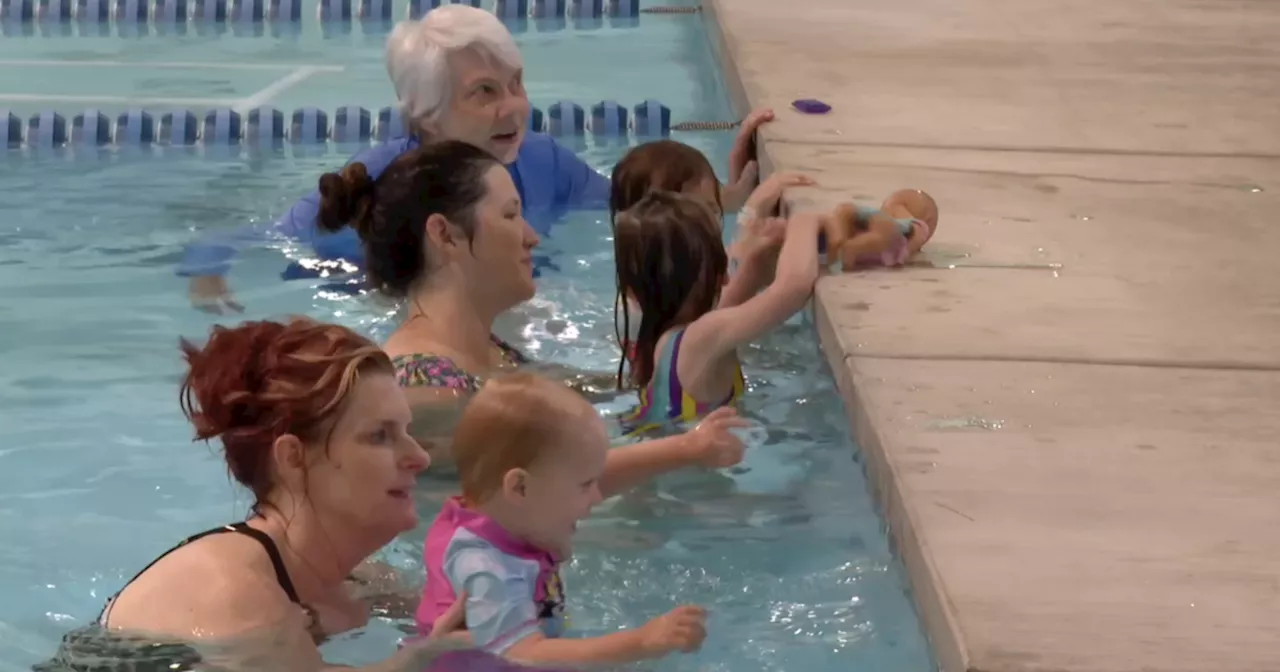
(562, 490)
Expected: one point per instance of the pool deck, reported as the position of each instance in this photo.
(1074, 432)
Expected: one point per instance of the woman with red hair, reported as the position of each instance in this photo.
(313, 423)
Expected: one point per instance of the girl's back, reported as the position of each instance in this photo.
(671, 266)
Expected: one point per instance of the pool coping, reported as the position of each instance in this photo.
(932, 606)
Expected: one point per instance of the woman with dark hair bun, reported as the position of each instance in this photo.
(313, 424)
(443, 231)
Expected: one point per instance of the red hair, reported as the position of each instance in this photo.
(511, 423)
(253, 383)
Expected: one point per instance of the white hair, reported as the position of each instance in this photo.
(418, 55)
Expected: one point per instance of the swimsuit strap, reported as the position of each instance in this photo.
(277, 562)
(674, 389)
(509, 352)
(269, 545)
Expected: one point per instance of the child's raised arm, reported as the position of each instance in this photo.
(723, 330)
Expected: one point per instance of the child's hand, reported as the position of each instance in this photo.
(712, 442)
(765, 198)
(758, 237)
(681, 629)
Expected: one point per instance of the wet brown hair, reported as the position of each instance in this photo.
(662, 165)
(671, 261)
(390, 214)
(514, 421)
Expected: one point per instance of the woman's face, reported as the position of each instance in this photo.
(489, 108)
(501, 263)
(364, 480)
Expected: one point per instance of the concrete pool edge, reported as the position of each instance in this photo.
(1063, 405)
(927, 595)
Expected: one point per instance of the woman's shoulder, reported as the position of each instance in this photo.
(221, 586)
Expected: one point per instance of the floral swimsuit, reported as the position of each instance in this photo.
(419, 370)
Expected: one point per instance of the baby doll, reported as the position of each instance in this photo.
(859, 236)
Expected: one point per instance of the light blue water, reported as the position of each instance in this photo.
(97, 472)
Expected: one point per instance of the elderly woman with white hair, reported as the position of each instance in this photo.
(458, 76)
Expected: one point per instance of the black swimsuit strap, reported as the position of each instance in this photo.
(268, 545)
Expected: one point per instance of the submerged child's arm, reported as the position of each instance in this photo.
(723, 330)
(710, 444)
(503, 618)
(681, 629)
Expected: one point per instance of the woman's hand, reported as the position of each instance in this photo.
(211, 294)
(451, 626)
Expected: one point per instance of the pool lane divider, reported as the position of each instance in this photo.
(54, 17)
(268, 127)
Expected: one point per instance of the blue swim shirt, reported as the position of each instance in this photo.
(551, 179)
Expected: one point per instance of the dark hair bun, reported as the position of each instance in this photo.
(346, 197)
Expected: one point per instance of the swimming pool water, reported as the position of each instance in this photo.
(97, 472)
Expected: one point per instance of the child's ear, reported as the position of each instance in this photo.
(515, 484)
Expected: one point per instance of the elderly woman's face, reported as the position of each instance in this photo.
(490, 108)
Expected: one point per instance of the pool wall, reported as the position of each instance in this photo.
(935, 615)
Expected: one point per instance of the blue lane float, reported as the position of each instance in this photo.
(46, 130)
(171, 12)
(390, 125)
(608, 120)
(652, 120)
(549, 9)
(221, 127)
(91, 128)
(566, 118)
(11, 129)
(172, 15)
(55, 11)
(605, 121)
(264, 128)
(209, 11)
(93, 11)
(334, 10)
(380, 11)
(511, 10)
(624, 9)
(17, 11)
(132, 12)
(135, 128)
(178, 129)
(248, 11)
(352, 125)
(309, 126)
(287, 11)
